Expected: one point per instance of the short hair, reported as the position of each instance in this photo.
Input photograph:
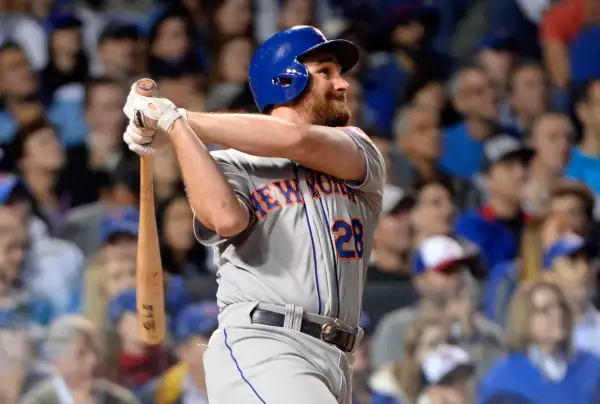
(127, 174)
(16, 147)
(10, 45)
(453, 83)
(566, 187)
(91, 84)
(520, 312)
(65, 330)
(525, 64)
(582, 92)
(420, 183)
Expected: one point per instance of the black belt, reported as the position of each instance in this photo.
(334, 333)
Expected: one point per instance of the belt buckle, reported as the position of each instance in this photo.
(330, 333)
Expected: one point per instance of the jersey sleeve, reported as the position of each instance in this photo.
(239, 182)
(375, 176)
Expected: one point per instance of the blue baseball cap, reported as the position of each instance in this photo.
(498, 40)
(566, 246)
(9, 183)
(441, 254)
(124, 302)
(197, 319)
(120, 221)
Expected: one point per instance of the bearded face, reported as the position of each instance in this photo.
(324, 101)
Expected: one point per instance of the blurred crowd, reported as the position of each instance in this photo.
(482, 286)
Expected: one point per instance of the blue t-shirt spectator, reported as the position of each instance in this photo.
(515, 380)
(462, 155)
(584, 168)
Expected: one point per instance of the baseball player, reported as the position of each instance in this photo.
(290, 210)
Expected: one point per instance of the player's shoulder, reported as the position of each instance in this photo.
(354, 131)
(247, 161)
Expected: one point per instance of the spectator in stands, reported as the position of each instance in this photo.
(570, 261)
(40, 159)
(541, 367)
(82, 225)
(73, 348)
(53, 266)
(505, 277)
(68, 63)
(401, 381)
(180, 253)
(472, 95)
(566, 45)
(167, 176)
(496, 53)
(527, 98)
(438, 275)
(19, 371)
(18, 87)
(28, 30)
(135, 363)
(117, 48)
(89, 163)
(433, 214)
(184, 382)
(418, 148)
(585, 158)
(574, 201)
(388, 284)
(19, 307)
(230, 73)
(228, 18)
(170, 46)
(496, 226)
(112, 270)
(448, 369)
(551, 137)
(295, 12)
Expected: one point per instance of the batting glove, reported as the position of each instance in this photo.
(151, 113)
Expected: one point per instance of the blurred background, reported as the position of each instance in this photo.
(483, 281)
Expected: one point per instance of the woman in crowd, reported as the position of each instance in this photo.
(180, 253)
(541, 366)
(402, 382)
(73, 349)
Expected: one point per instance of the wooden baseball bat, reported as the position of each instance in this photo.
(150, 285)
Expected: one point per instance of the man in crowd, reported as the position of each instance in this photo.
(496, 227)
(438, 275)
(388, 285)
(472, 95)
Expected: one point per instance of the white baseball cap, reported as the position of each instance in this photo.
(439, 253)
(393, 197)
(444, 360)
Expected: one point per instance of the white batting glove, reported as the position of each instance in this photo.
(140, 141)
(151, 113)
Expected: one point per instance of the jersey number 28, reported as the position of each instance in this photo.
(348, 238)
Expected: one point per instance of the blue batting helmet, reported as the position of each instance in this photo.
(276, 76)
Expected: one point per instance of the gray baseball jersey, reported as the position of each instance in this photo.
(310, 236)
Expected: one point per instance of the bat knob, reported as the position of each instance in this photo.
(146, 87)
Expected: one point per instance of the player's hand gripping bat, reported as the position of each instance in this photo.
(150, 285)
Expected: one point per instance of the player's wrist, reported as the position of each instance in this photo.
(168, 118)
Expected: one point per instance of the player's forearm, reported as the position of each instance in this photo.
(212, 198)
(259, 135)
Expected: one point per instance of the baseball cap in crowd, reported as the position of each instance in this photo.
(123, 303)
(502, 148)
(566, 246)
(442, 254)
(177, 295)
(200, 319)
(498, 41)
(119, 30)
(10, 185)
(120, 221)
(446, 363)
(396, 200)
